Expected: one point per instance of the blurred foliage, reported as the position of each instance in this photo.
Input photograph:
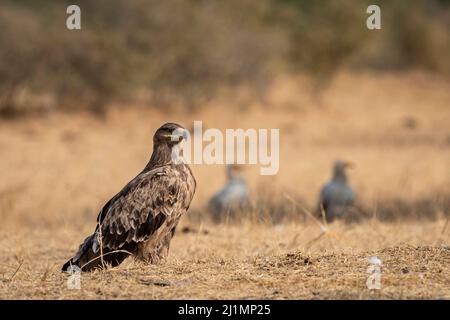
(185, 52)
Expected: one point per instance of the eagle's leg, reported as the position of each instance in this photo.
(156, 250)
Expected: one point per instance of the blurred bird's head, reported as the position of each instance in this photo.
(170, 134)
(234, 171)
(339, 169)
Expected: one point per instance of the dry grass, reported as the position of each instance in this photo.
(244, 262)
(58, 170)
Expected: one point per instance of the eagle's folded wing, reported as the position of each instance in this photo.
(139, 209)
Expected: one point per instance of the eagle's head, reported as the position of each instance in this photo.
(170, 134)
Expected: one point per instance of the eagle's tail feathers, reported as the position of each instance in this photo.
(87, 259)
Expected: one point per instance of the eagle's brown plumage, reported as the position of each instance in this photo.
(141, 219)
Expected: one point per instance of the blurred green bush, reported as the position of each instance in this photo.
(185, 52)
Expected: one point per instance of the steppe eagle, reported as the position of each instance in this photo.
(141, 219)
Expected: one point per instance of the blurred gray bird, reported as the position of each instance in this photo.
(336, 197)
(232, 198)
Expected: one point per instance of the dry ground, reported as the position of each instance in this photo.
(246, 262)
(58, 170)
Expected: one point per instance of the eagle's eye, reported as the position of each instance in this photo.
(165, 133)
